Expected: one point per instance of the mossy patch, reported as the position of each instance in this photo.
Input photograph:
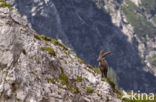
(79, 79)
(45, 38)
(89, 90)
(64, 80)
(50, 50)
(80, 61)
(4, 4)
(75, 90)
(42, 37)
(37, 36)
(51, 80)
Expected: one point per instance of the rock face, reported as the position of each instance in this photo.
(137, 2)
(37, 70)
(90, 25)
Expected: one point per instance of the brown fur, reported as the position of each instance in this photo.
(103, 65)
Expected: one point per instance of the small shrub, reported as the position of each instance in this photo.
(37, 37)
(24, 51)
(51, 80)
(50, 50)
(89, 90)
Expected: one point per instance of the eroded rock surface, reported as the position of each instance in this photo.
(29, 73)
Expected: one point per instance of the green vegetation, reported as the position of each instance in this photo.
(64, 80)
(37, 36)
(69, 83)
(4, 4)
(54, 41)
(24, 51)
(96, 70)
(51, 80)
(79, 78)
(80, 61)
(133, 15)
(75, 90)
(89, 90)
(152, 60)
(45, 38)
(59, 44)
(50, 50)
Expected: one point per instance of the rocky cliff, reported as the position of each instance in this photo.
(36, 68)
(87, 26)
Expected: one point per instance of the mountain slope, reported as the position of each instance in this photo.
(90, 25)
(36, 68)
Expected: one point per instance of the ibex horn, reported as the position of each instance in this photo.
(109, 52)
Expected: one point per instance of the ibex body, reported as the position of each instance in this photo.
(103, 65)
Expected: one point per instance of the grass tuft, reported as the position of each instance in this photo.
(89, 90)
(64, 80)
(45, 38)
(50, 50)
(51, 80)
(79, 79)
(80, 61)
(75, 90)
(55, 42)
(37, 37)
(4, 4)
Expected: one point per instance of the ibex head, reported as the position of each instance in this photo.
(101, 56)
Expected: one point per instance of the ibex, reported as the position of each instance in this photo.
(103, 65)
